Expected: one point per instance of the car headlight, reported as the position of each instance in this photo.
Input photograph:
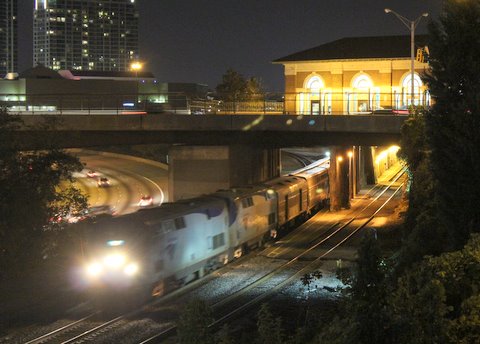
(131, 269)
(94, 269)
(114, 260)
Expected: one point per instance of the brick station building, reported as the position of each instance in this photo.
(355, 75)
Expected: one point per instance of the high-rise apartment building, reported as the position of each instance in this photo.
(99, 35)
(8, 36)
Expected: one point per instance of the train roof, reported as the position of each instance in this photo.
(241, 191)
(312, 171)
(284, 180)
(210, 206)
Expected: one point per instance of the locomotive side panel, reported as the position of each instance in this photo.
(256, 218)
(190, 247)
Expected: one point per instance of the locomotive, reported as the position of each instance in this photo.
(157, 249)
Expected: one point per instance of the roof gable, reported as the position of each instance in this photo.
(353, 48)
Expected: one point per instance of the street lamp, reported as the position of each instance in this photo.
(411, 25)
(350, 179)
(136, 66)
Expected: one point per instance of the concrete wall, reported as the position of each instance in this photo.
(197, 170)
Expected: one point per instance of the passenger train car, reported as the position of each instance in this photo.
(158, 249)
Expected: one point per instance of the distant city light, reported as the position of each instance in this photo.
(136, 66)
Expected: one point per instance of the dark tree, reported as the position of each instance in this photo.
(423, 234)
(234, 87)
(254, 89)
(193, 324)
(436, 301)
(223, 336)
(34, 187)
(368, 291)
(362, 316)
(269, 327)
(453, 123)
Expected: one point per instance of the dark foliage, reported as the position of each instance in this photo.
(269, 327)
(193, 324)
(31, 194)
(234, 87)
(453, 123)
(363, 316)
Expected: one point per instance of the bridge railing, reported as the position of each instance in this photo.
(317, 103)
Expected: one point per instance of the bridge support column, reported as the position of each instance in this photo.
(197, 170)
(366, 171)
(339, 176)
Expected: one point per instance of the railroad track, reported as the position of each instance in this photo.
(231, 306)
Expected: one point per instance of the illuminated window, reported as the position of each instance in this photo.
(363, 98)
(315, 83)
(362, 82)
(407, 89)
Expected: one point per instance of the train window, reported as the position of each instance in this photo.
(218, 240)
(168, 226)
(209, 242)
(271, 218)
(159, 265)
(179, 223)
(300, 199)
(247, 202)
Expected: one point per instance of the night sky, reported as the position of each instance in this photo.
(198, 40)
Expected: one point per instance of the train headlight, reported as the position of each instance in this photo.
(94, 269)
(131, 269)
(114, 260)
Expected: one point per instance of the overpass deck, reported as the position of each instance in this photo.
(263, 130)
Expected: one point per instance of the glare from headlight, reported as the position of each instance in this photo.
(94, 269)
(131, 269)
(114, 260)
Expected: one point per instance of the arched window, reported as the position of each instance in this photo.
(315, 83)
(363, 97)
(311, 101)
(362, 81)
(407, 88)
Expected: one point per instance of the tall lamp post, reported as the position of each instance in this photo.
(411, 25)
(350, 176)
(136, 67)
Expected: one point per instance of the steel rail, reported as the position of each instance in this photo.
(171, 330)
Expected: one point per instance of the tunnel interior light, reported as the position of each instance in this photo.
(114, 243)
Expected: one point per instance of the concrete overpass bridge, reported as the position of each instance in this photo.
(265, 131)
(211, 152)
